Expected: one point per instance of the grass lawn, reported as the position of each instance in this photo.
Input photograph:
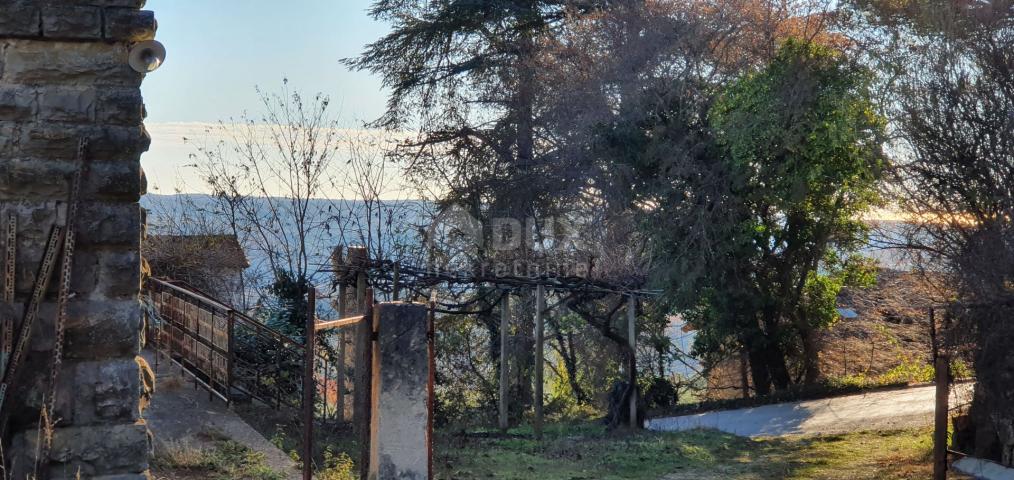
(588, 452)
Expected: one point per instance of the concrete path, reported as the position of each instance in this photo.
(179, 413)
(883, 410)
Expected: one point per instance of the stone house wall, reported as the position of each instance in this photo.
(63, 76)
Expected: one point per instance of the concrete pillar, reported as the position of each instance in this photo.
(399, 427)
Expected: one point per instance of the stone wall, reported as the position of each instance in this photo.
(64, 76)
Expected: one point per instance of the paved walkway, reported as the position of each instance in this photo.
(883, 410)
(179, 413)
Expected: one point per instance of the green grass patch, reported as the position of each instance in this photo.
(589, 452)
(223, 460)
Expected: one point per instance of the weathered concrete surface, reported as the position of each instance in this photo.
(983, 469)
(399, 428)
(883, 410)
(179, 413)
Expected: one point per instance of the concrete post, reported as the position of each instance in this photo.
(399, 425)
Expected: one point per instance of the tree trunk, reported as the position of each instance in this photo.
(776, 366)
(759, 372)
(811, 359)
(565, 346)
(774, 356)
(992, 410)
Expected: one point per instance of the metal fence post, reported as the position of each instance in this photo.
(230, 357)
(362, 409)
(309, 383)
(940, 418)
(340, 377)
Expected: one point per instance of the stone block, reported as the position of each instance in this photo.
(119, 180)
(119, 143)
(67, 104)
(120, 106)
(59, 141)
(10, 132)
(136, 4)
(144, 186)
(399, 429)
(87, 393)
(18, 103)
(33, 179)
(76, 22)
(48, 141)
(102, 392)
(129, 24)
(97, 329)
(43, 179)
(90, 451)
(67, 63)
(19, 21)
(107, 223)
(120, 274)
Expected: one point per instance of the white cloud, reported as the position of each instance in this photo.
(168, 164)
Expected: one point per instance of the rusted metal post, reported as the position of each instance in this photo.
(309, 382)
(363, 341)
(7, 318)
(340, 377)
(278, 377)
(540, 307)
(396, 278)
(340, 270)
(505, 311)
(934, 346)
(632, 369)
(230, 356)
(941, 416)
(364, 385)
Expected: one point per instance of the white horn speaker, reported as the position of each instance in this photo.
(147, 56)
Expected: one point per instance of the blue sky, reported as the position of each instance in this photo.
(219, 50)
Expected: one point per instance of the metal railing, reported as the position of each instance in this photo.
(229, 353)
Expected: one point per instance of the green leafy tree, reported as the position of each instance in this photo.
(802, 142)
(758, 227)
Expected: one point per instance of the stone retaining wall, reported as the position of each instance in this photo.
(64, 76)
